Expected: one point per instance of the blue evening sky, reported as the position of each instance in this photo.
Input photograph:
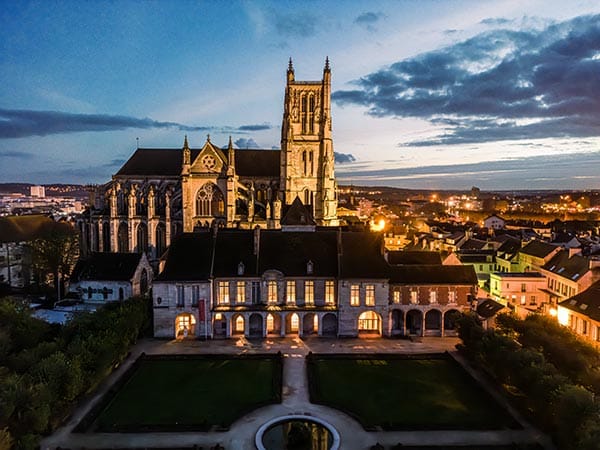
(428, 94)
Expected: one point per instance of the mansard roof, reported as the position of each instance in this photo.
(572, 268)
(586, 302)
(107, 266)
(148, 162)
(189, 258)
(440, 274)
(401, 257)
(539, 249)
(233, 247)
(289, 252)
(362, 256)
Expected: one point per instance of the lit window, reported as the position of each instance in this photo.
(294, 322)
(309, 292)
(370, 295)
(452, 297)
(223, 294)
(270, 323)
(432, 296)
(355, 295)
(414, 297)
(272, 292)
(316, 322)
(329, 292)
(290, 292)
(396, 296)
(523, 299)
(240, 296)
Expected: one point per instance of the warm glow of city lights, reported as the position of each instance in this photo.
(563, 316)
(377, 225)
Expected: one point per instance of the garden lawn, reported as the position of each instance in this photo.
(402, 394)
(178, 394)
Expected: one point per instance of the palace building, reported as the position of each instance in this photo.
(160, 193)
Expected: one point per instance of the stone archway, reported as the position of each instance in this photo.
(414, 322)
(273, 324)
(369, 322)
(329, 325)
(310, 324)
(450, 317)
(219, 326)
(185, 326)
(238, 325)
(433, 322)
(292, 323)
(255, 326)
(397, 322)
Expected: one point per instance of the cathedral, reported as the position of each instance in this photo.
(160, 193)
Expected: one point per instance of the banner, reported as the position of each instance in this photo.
(202, 309)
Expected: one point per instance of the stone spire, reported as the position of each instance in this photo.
(231, 157)
(187, 155)
(290, 72)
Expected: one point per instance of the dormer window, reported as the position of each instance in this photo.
(241, 268)
(309, 267)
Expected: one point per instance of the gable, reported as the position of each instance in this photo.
(210, 159)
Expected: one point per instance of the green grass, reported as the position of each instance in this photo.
(178, 394)
(405, 393)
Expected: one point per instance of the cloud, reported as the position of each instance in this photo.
(17, 123)
(369, 19)
(246, 143)
(115, 162)
(295, 24)
(16, 154)
(497, 85)
(342, 158)
(495, 21)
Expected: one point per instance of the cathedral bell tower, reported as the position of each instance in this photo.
(306, 146)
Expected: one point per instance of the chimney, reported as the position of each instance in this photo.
(256, 240)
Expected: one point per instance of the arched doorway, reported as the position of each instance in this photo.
(292, 323)
(255, 328)
(369, 322)
(450, 318)
(219, 326)
(414, 322)
(397, 322)
(185, 326)
(433, 323)
(123, 238)
(142, 238)
(329, 325)
(273, 324)
(310, 324)
(238, 325)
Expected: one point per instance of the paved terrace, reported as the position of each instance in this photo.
(295, 400)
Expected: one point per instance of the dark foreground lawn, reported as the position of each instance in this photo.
(190, 394)
(402, 394)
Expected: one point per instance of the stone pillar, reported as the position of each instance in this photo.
(101, 236)
(168, 218)
(319, 324)
(283, 325)
(442, 325)
(264, 327)
(423, 327)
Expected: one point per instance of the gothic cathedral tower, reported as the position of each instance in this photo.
(307, 148)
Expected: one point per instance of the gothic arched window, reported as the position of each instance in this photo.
(303, 112)
(210, 201)
(311, 114)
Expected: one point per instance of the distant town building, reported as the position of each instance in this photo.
(581, 313)
(37, 191)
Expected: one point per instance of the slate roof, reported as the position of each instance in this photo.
(289, 252)
(231, 248)
(586, 302)
(413, 257)
(167, 162)
(572, 268)
(473, 244)
(189, 258)
(433, 275)
(488, 307)
(539, 249)
(297, 214)
(29, 227)
(107, 267)
(361, 256)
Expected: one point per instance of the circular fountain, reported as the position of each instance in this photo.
(297, 432)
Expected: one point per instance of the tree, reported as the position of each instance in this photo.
(54, 252)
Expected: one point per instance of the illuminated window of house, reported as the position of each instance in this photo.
(240, 296)
(329, 292)
(452, 297)
(309, 292)
(316, 322)
(432, 296)
(355, 295)
(370, 295)
(294, 323)
(290, 292)
(523, 299)
(239, 324)
(396, 295)
(533, 300)
(223, 294)
(414, 297)
(272, 292)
